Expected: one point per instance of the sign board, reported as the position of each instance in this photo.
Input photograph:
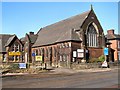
(80, 50)
(22, 65)
(74, 54)
(80, 55)
(14, 53)
(33, 54)
(38, 58)
(1, 57)
(105, 51)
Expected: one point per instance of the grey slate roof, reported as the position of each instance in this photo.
(22, 39)
(114, 36)
(69, 35)
(3, 40)
(56, 32)
(33, 38)
(9, 40)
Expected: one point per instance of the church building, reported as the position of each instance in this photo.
(74, 40)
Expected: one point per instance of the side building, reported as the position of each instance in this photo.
(11, 48)
(114, 39)
(73, 40)
(27, 42)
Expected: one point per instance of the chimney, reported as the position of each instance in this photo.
(110, 32)
(31, 33)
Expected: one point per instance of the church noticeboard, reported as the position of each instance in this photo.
(80, 55)
(38, 58)
(74, 53)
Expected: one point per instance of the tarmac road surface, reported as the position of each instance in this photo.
(106, 79)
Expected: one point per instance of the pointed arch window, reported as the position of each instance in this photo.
(92, 40)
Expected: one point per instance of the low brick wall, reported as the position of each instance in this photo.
(92, 65)
(85, 65)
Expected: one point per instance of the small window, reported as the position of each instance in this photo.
(54, 50)
(13, 48)
(17, 48)
(46, 52)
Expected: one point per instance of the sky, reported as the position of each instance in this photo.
(22, 17)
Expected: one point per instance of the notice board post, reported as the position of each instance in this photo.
(106, 53)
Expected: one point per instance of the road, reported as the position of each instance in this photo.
(106, 79)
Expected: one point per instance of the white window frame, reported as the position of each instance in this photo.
(118, 44)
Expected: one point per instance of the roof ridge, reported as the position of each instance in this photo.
(67, 19)
(7, 34)
(59, 31)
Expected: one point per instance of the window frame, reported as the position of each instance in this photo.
(92, 39)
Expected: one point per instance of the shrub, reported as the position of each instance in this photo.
(14, 66)
(101, 58)
(96, 60)
(93, 60)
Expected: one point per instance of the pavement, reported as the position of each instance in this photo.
(64, 70)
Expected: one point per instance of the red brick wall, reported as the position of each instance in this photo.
(115, 47)
(95, 52)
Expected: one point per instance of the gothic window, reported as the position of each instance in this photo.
(46, 52)
(39, 52)
(50, 50)
(54, 49)
(92, 40)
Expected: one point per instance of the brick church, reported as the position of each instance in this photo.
(73, 40)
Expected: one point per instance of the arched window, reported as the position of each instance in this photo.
(92, 40)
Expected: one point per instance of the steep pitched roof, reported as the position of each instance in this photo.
(10, 40)
(32, 38)
(3, 40)
(52, 33)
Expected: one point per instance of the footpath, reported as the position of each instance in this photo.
(61, 70)
(66, 70)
